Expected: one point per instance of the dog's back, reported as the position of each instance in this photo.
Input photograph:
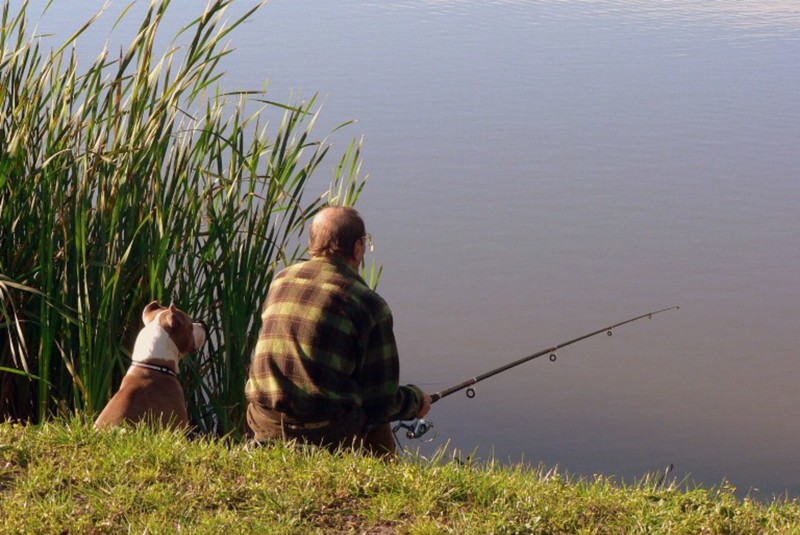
(146, 396)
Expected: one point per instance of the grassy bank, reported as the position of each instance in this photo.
(66, 478)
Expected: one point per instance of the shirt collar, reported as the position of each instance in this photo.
(340, 264)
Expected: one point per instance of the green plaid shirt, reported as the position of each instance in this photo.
(327, 347)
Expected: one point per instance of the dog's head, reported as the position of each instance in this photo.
(186, 334)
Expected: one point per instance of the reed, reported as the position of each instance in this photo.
(139, 178)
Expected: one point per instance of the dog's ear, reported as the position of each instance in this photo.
(149, 312)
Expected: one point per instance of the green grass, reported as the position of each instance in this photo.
(64, 477)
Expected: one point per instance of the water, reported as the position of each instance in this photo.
(541, 169)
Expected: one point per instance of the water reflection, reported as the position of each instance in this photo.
(738, 14)
(749, 17)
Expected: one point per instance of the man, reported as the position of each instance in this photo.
(325, 369)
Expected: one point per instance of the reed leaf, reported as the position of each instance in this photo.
(137, 179)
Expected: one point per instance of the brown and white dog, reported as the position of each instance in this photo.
(150, 391)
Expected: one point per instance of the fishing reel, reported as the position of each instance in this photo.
(415, 428)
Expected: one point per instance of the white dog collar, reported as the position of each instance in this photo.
(162, 369)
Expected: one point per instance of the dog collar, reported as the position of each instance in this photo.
(162, 369)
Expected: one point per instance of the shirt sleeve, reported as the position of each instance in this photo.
(383, 397)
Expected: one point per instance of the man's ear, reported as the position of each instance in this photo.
(358, 252)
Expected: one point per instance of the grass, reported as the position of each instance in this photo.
(63, 477)
(138, 177)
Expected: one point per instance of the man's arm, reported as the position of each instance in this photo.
(384, 398)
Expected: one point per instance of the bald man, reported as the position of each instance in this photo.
(325, 369)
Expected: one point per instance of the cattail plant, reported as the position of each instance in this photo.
(137, 179)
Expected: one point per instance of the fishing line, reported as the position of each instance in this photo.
(418, 427)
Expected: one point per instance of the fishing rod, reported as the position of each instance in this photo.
(417, 428)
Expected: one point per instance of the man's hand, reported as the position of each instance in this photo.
(426, 405)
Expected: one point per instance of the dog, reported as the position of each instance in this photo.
(150, 391)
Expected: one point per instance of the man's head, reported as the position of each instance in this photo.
(338, 231)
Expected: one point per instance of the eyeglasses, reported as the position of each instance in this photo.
(367, 240)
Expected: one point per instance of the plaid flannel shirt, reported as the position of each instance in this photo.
(327, 347)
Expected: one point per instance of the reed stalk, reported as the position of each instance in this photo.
(136, 179)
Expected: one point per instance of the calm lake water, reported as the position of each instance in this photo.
(542, 169)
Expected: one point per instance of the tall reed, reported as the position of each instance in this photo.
(139, 179)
